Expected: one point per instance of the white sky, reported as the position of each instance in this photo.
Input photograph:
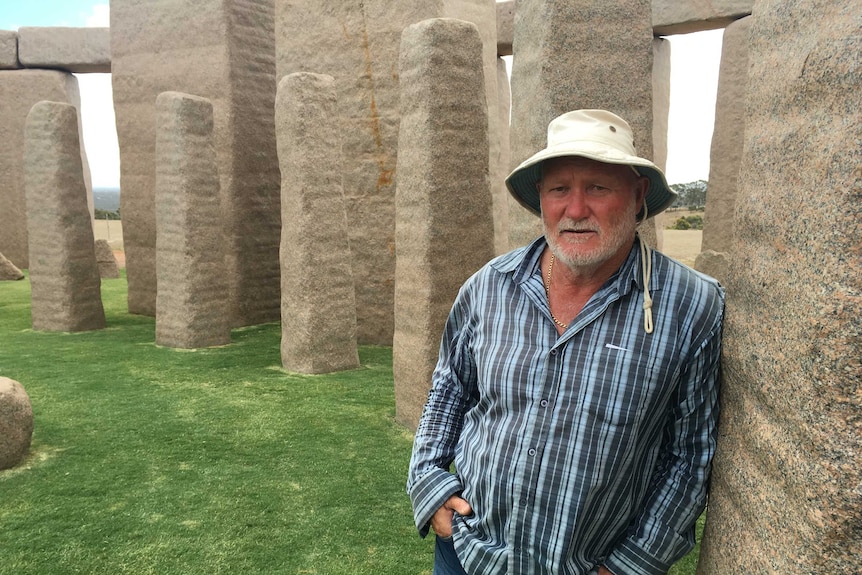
(694, 78)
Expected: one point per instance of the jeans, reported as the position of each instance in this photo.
(445, 559)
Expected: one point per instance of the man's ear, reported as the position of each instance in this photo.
(641, 188)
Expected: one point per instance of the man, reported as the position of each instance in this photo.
(576, 388)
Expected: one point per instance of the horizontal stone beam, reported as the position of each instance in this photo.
(668, 17)
(76, 50)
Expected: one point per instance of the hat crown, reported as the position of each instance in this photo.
(598, 126)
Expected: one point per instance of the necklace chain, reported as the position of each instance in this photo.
(548, 294)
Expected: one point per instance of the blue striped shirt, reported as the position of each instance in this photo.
(576, 450)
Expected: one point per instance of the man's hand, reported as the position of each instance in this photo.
(441, 522)
(603, 571)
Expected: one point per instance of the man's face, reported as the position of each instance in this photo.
(589, 211)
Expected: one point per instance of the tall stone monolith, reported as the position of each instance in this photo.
(572, 54)
(727, 138)
(499, 191)
(318, 310)
(786, 495)
(192, 302)
(19, 90)
(357, 42)
(444, 228)
(225, 52)
(64, 276)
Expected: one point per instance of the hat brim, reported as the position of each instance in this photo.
(523, 179)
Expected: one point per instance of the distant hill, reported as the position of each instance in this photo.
(106, 199)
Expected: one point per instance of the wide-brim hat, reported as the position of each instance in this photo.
(598, 135)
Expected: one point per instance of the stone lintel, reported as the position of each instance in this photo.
(77, 50)
(9, 50)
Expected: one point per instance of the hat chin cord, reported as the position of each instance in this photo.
(646, 268)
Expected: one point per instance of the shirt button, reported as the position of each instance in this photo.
(544, 403)
(531, 452)
(553, 352)
(522, 501)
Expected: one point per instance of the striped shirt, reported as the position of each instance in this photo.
(588, 448)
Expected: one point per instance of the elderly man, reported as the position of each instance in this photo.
(576, 388)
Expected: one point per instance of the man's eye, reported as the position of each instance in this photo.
(597, 189)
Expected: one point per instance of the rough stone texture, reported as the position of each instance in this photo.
(9, 271)
(64, 276)
(500, 194)
(505, 27)
(223, 51)
(660, 111)
(16, 423)
(786, 495)
(318, 309)
(192, 301)
(682, 17)
(357, 42)
(77, 50)
(714, 264)
(560, 42)
(727, 138)
(19, 90)
(444, 228)
(9, 50)
(108, 267)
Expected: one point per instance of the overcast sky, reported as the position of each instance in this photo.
(694, 77)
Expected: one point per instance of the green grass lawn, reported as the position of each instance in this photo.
(154, 460)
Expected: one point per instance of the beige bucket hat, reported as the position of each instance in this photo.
(595, 134)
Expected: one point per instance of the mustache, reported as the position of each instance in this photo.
(571, 225)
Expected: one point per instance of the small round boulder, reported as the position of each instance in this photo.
(16, 423)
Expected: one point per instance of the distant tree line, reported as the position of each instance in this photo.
(107, 214)
(691, 195)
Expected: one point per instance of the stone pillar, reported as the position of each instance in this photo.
(444, 229)
(660, 111)
(19, 90)
(572, 54)
(225, 52)
(108, 268)
(318, 310)
(64, 277)
(192, 302)
(357, 42)
(786, 492)
(500, 194)
(727, 138)
(8, 270)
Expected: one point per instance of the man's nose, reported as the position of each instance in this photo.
(577, 207)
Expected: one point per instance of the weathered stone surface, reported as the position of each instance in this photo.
(9, 50)
(223, 51)
(318, 309)
(108, 268)
(357, 42)
(444, 229)
(786, 494)
(77, 50)
(64, 276)
(505, 27)
(192, 301)
(19, 90)
(714, 264)
(16, 423)
(660, 110)
(8, 270)
(559, 43)
(499, 192)
(682, 17)
(727, 137)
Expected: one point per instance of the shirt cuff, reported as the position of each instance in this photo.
(630, 558)
(429, 493)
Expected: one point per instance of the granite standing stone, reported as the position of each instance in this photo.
(225, 52)
(108, 268)
(357, 42)
(727, 138)
(9, 271)
(444, 229)
(786, 495)
(19, 90)
(318, 310)
(192, 303)
(64, 277)
(499, 191)
(9, 50)
(16, 423)
(573, 54)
